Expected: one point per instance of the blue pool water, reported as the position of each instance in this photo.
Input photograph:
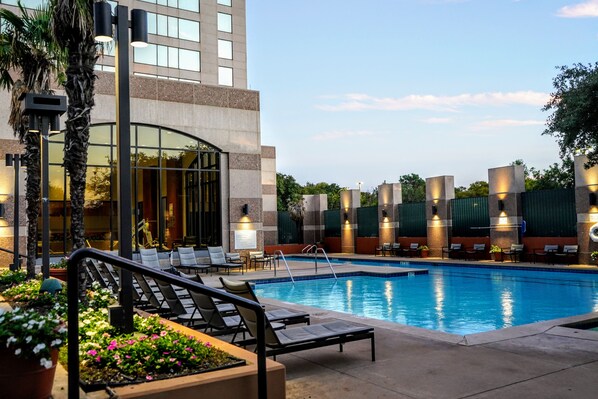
(457, 300)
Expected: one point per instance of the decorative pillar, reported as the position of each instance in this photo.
(389, 198)
(270, 214)
(586, 206)
(504, 204)
(313, 221)
(350, 201)
(440, 191)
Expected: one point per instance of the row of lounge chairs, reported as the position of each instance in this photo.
(396, 250)
(200, 311)
(516, 252)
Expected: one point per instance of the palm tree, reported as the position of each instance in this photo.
(72, 28)
(27, 49)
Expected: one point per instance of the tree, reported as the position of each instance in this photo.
(476, 189)
(369, 198)
(287, 191)
(26, 47)
(574, 121)
(297, 213)
(413, 188)
(556, 176)
(332, 190)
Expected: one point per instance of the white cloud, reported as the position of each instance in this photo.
(341, 134)
(363, 102)
(588, 8)
(498, 123)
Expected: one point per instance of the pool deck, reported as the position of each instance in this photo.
(540, 360)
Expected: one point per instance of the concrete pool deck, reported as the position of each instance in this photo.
(541, 360)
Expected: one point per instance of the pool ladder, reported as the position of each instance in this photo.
(315, 249)
(277, 256)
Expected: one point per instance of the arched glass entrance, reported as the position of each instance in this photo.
(175, 190)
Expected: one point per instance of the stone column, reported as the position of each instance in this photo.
(440, 191)
(350, 201)
(313, 221)
(270, 214)
(586, 191)
(389, 198)
(504, 204)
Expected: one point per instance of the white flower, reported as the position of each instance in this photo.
(56, 342)
(38, 348)
(45, 362)
(18, 351)
(28, 338)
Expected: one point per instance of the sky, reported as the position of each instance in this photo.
(367, 91)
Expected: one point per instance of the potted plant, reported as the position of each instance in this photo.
(424, 251)
(594, 257)
(58, 269)
(29, 343)
(497, 253)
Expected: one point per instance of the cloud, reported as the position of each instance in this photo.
(363, 102)
(497, 123)
(341, 134)
(588, 8)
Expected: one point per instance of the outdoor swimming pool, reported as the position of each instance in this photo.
(456, 300)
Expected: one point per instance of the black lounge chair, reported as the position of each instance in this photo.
(453, 249)
(188, 260)
(515, 252)
(412, 250)
(218, 260)
(300, 338)
(477, 252)
(547, 254)
(396, 248)
(383, 250)
(569, 254)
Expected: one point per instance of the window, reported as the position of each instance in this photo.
(225, 49)
(190, 5)
(163, 25)
(225, 2)
(225, 22)
(171, 57)
(189, 60)
(225, 76)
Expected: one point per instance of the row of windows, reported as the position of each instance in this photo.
(158, 24)
(165, 56)
(189, 5)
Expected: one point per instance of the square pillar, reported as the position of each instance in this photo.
(504, 204)
(440, 191)
(389, 198)
(313, 221)
(586, 192)
(350, 201)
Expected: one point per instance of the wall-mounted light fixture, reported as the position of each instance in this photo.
(434, 210)
(501, 205)
(593, 199)
(245, 209)
(346, 217)
(384, 214)
(2, 211)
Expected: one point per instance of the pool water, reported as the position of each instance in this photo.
(456, 300)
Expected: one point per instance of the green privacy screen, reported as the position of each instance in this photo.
(550, 213)
(367, 221)
(412, 220)
(287, 229)
(332, 222)
(470, 217)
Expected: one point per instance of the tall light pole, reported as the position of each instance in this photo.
(103, 21)
(44, 112)
(15, 160)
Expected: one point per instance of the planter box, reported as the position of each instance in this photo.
(233, 383)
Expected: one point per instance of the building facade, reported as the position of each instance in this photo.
(196, 152)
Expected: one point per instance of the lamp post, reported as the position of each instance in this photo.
(44, 112)
(103, 21)
(15, 160)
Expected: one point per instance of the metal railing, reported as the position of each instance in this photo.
(277, 260)
(315, 249)
(77, 259)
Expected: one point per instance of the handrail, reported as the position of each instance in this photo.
(12, 252)
(327, 260)
(308, 248)
(279, 252)
(77, 258)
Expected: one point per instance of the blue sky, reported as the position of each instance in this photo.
(366, 91)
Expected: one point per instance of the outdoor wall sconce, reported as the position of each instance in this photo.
(501, 205)
(346, 217)
(2, 211)
(384, 213)
(434, 210)
(245, 209)
(593, 199)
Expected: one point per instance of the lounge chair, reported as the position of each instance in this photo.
(515, 252)
(234, 257)
(412, 250)
(453, 249)
(477, 252)
(547, 253)
(396, 248)
(300, 338)
(218, 260)
(188, 260)
(149, 258)
(569, 254)
(256, 257)
(383, 250)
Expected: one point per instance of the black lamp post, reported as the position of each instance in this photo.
(15, 160)
(44, 112)
(103, 21)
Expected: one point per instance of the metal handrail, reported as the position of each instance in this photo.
(77, 258)
(12, 252)
(308, 248)
(279, 252)
(327, 260)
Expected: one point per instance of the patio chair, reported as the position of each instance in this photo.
(478, 252)
(383, 250)
(454, 248)
(218, 260)
(396, 248)
(515, 252)
(569, 254)
(234, 257)
(256, 257)
(299, 338)
(149, 258)
(412, 250)
(547, 253)
(188, 260)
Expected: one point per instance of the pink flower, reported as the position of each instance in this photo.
(149, 377)
(207, 344)
(131, 341)
(189, 349)
(155, 337)
(127, 356)
(92, 352)
(112, 346)
(98, 359)
(163, 333)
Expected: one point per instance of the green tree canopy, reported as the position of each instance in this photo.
(555, 176)
(333, 191)
(476, 189)
(413, 187)
(288, 191)
(574, 106)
